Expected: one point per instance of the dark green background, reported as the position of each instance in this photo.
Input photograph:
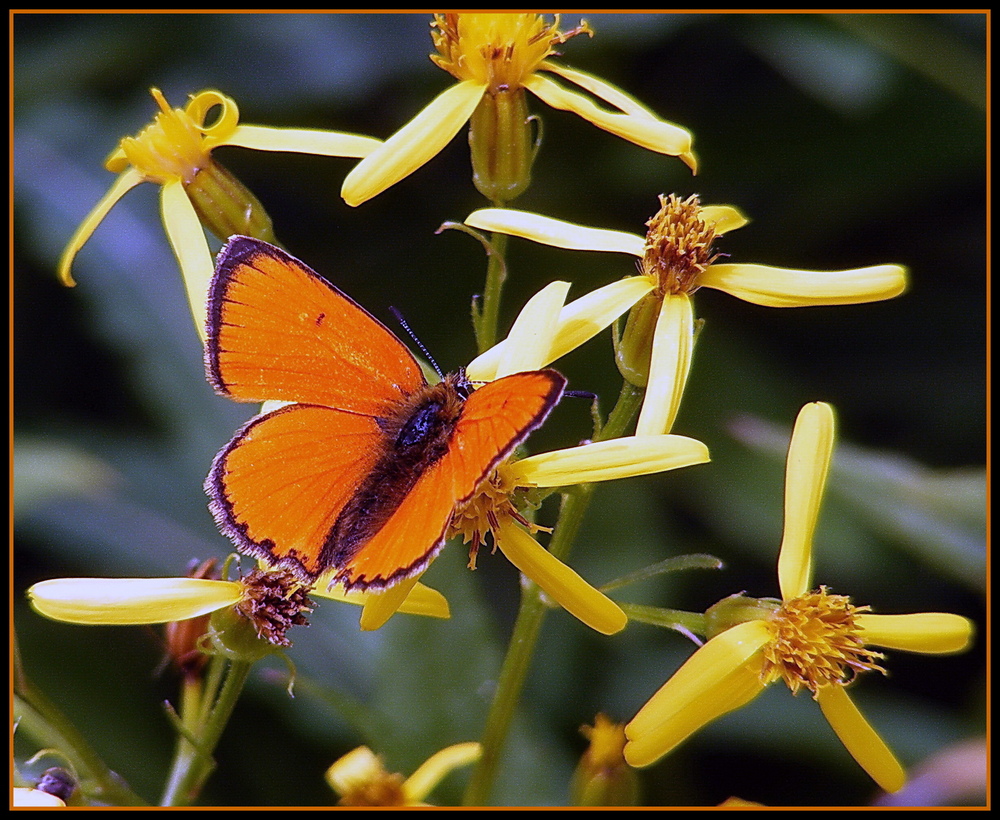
(849, 141)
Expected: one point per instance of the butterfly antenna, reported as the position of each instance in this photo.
(399, 318)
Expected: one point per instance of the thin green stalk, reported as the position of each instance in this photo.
(489, 315)
(193, 760)
(531, 614)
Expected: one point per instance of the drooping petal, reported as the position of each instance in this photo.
(861, 740)
(933, 633)
(125, 182)
(670, 363)
(578, 322)
(302, 141)
(600, 88)
(413, 144)
(721, 676)
(781, 287)
(606, 460)
(380, 607)
(123, 601)
(422, 600)
(433, 770)
(560, 582)
(530, 339)
(187, 238)
(723, 218)
(555, 232)
(653, 134)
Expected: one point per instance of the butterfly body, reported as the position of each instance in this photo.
(360, 476)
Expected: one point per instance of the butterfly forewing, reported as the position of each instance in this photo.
(277, 330)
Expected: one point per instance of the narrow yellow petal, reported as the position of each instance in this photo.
(187, 238)
(578, 322)
(356, 768)
(529, 342)
(806, 468)
(302, 141)
(607, 460)
(413, 144)
(35, 798)
(125, 182)
(123, 601)
(653, 134)
(861, 740)
(432, 771)
(673, 343)
(933, 633)
(422, 600)
(380, 607)
(548, 231)
(721, 676)
(723, 218)
(560, 582)
(780, 287)
(600, 88)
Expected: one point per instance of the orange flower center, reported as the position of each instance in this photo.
(497, 50)
(816, 642)
(678, 245)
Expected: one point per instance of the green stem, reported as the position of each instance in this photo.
(531, 614)
(193, 759)
(489, 315)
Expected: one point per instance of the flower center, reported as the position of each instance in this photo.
(678, 245)
(817, 642)
(273, 601)
(489, 507)
(498, 50)
(174, 147)
(383, 789)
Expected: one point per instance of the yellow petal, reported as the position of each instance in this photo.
(780, 287)
(413, 144)
(422, 600)
(437, 766)
(806, 468)
(653, 134)
(125, 182)
(560, 582)
(555, 232)
(529, 342)
(861, 740)
(600, 88)
(673, 341)
(607, 460)
(122, 601)
(358, 767)
(381, 606)
(723, 218)
(933, 633)
(302, 141)
(35, 798)
(578, 322)
(187, 238)
(721, 676)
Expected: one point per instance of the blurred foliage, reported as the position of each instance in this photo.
(849, 140)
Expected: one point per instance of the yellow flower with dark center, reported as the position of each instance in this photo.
(677, 257)
(495, 57)
(361, 779)
(175, 152)
(811, 639)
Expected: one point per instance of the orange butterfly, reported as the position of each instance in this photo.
(362, 473)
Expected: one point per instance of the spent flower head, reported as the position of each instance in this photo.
(175, 152)
(495, 57)
(811, 639)
(677, 256)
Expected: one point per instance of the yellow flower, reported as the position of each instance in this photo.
(678, 258)
(811, 639)
(134, 601)
(540, 333)
(175, 152)
(360, 778)
(602, 778)
(495, 57)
